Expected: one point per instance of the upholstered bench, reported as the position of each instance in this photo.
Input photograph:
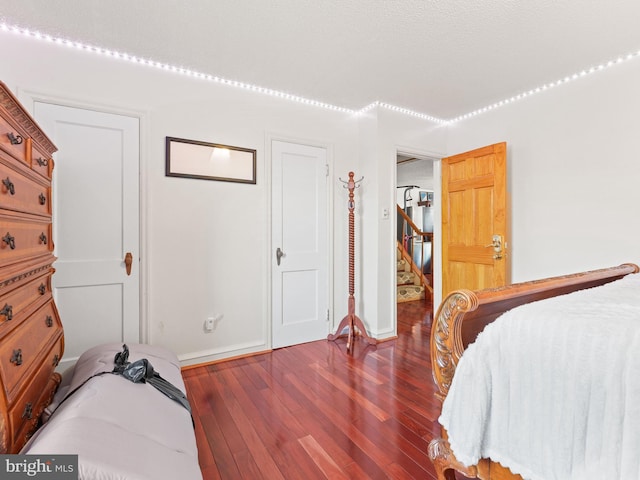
(120, 429)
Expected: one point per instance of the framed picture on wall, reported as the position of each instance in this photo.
(426, 196)
(209, 161)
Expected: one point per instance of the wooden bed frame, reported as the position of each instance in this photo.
(461, 316)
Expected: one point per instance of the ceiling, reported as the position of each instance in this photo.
(443, 58)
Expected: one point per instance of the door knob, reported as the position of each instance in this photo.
(279, 255)
(128, 260)
(496, 243)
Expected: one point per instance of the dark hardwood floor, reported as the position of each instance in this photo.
(313, 412)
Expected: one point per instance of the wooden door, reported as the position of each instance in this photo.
(96, 212)
(474, 219)
(300, 262)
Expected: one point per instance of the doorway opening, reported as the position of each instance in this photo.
(416, 189)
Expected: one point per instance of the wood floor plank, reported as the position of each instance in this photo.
(321, 458)
(356, 471)
(401, 452)
(365, 452)
(249, 469)
(351, 390)
(255, 445)
(425, 427)
(223, 456)
(197, 399)
(272, 440)
(266, 413)
(296, 463)
(332, 438)
(211, 473)
(219, 409)
(344, 412)
(312, 411)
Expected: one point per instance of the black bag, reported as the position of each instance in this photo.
(141, 371)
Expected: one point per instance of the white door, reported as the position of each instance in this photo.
(300, 245)
(96, 223)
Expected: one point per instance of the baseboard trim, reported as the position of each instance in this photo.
(222, 360)
(205, 357)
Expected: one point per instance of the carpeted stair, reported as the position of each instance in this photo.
(408, 284)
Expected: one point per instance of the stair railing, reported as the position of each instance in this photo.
(408, 232)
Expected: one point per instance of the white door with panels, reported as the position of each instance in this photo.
(96, 211)
(299, 180)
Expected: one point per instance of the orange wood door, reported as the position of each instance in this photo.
(474, 219)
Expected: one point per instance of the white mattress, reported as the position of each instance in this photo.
(551, 389)
(122, 430)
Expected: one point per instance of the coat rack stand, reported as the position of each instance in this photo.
(351, 320)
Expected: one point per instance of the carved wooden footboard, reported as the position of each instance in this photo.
(462, 315)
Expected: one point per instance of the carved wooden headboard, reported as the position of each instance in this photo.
(463, 313)
(31, 337)
(461, 316)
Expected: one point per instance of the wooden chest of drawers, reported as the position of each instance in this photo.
(31, 336)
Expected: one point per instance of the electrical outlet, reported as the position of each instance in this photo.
(211, 323)
(208, 324)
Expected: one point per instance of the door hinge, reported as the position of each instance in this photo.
(327, 314)
(327, 167)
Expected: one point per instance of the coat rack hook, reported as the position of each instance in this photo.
(351, 183)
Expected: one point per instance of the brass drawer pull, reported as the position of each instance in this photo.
(43, 238)
(7, 311)
(42, 289)
(42, 199)
(28, 411)
(14, 139)
(43, 162)
(49, 321)
(9, 240)
(9, 184)
(16, 358)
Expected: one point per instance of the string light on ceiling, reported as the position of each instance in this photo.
(172, 68)
(547, 86)
(302, 100)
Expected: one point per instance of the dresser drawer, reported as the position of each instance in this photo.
(15, 301)
(23, 194)
(21, 349)
(25, 412)
(13, 140)
(41, 162)
(22, 238)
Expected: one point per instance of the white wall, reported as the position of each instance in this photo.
(572, 158)
(394, 132)
(574, 166)
(206, 244)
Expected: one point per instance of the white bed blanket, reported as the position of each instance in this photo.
(551, 389)
(122, 430)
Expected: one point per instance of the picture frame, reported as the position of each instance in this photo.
(426, 196)
(209, 161)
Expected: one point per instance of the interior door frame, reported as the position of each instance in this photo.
(30, 97)
(271, 137)
(436, 261)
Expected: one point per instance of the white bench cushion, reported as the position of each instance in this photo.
(119, 429)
